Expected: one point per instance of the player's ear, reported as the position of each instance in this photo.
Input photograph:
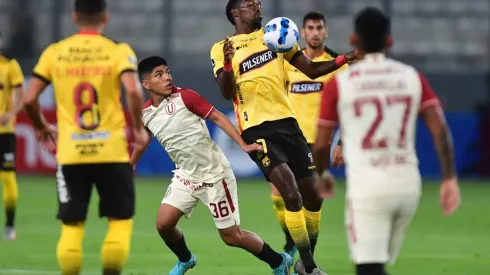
(302, 32)
(353, 40)
(389, 41)
(326, 32)
(74, 17)
(145, 84)
(105, 19)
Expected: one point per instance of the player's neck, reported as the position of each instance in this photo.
(90, 29)
(361, 54)
(314, 53)
(244, 30)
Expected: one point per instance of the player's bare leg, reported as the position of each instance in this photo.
(166, 224)
(278, 205)
(251, 242)
(282, 177)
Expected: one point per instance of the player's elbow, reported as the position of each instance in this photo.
(29, 99)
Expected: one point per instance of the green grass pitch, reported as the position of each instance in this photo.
(435, 245)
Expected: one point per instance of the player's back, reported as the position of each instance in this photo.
(379, 100)
(85, 72)
(10, 77)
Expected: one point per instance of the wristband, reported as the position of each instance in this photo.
(340, 60)
(228, 67)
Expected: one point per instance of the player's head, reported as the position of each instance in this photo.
(314, 30)
(244, 12)
(90, 13)
(155, 75)
(372, 31)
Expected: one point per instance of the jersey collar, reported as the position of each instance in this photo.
(374, 56)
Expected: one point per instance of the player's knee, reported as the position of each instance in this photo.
(115, 249)
(232, 236)
(164, 225)
(293, 201)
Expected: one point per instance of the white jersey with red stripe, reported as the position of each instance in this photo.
(377, 102)
(178, 123)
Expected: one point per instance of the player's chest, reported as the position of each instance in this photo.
(252, 54)
(169, 119)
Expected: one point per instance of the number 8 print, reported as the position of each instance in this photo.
(82, 106)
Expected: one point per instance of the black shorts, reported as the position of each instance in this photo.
(113, 181)
(7, 152)
(283, 142)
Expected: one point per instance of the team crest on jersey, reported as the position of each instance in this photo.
(257, 60)
(306, 87)
(170, 108)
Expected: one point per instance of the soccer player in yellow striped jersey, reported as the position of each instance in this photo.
(304, 96)
(11, 102)
(86, 70)
(253, 76)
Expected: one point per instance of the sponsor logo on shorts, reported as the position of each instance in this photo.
(9, 157)
(169, 190)
(266, 161)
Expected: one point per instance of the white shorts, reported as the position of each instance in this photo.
(219, 196)
(376, 226)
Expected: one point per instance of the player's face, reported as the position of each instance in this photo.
(314, 33)
(250, 13)
(159, 81)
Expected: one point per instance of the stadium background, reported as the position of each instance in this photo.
(446, 39)
(449, 40)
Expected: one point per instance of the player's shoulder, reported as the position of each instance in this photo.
(147, 104)
(218, 45)
(184, 92)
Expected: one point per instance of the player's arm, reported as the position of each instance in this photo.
(16, 80)
(127, 69)
(225, 124)
(41, 77)
(433, 116)
(221, 59)
(316, 69)
(327, 123)
(138, 152)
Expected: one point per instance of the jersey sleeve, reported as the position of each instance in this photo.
(43, 68)
(127, 61)
(328, 105)
(197, 104)
(217, 58)
(16, 77)
(429, 98)
(294, 53)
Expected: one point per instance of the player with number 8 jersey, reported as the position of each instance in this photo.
(86, 70)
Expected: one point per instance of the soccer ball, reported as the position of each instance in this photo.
(281, 34)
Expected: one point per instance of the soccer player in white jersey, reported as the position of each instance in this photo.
(175, 116)
(377, 102)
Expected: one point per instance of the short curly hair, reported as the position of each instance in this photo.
(232, 4)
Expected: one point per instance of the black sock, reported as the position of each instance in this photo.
(180, 249)
(313, 245)
(270, 256)
(370, 269)
(307, 259)
(289, 241)
(10, 215)
(111, 272)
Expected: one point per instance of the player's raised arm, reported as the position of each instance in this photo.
(16, 79)
(221, 59)
(434, 118)
(317, 69)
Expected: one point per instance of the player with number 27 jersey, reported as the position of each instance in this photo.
(91, 121)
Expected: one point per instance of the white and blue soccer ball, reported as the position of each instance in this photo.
(281, 34)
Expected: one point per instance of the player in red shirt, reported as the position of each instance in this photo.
(377, 102)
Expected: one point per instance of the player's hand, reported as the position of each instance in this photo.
(337, 159)
(47, 137)
(351, 56)
(228, 50)
(6, 118)
(141, 138)
(325, 186)
(250, 148)
(450, 196)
